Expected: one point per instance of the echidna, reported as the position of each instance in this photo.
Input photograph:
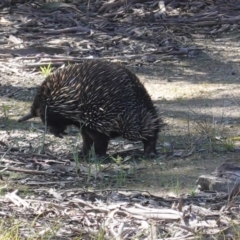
(103, 99)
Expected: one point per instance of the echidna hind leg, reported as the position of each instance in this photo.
(150, 146)
(93, 138)
(101, 145)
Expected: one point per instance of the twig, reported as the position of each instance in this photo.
(34, 172)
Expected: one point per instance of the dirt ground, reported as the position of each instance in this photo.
(198, 96)
(197, 93)
(199, 100)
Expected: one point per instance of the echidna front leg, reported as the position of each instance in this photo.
(96, 139)
(87, 142)
(101, 144)
(150, 146)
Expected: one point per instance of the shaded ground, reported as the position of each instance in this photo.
(197, 96)
(191, 73)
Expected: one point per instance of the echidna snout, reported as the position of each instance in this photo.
(26, 117)
(103, 99)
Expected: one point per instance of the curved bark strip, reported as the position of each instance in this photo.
(111, 5)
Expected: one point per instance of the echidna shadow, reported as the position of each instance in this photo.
(105, 100)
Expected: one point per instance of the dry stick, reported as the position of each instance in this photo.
(47, 56)
(65, 30)
(143, 192)
(13, 169)
(185, 228)
(61, 62)
(187, 237)
(34, 183)
(92, 207)
(16, 199)
(47, 59)
(161, 214)
(31, 155)
(154, 210)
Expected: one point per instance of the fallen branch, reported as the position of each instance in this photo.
(27, 171)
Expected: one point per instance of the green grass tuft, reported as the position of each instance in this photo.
(46, 70)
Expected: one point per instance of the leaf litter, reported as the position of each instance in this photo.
(35, 34)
